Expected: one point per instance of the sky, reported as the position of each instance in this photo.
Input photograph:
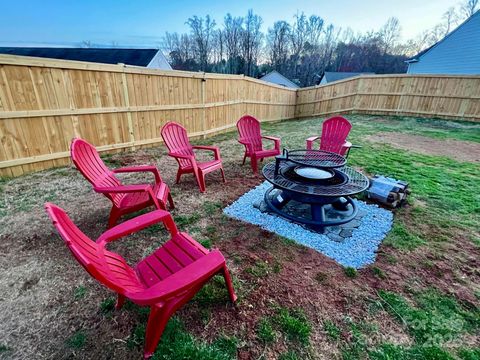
(143, 23)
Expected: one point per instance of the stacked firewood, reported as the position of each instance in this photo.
(388, 191)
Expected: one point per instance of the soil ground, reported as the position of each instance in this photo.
(455, 149)
(51, 309)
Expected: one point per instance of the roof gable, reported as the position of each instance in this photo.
(277, 78)
(449, 35)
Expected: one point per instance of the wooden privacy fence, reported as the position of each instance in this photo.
(443, 96)
(44, 103)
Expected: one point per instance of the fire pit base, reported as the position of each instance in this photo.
(352, 244)
(323, 211)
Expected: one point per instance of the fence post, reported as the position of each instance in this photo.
(204, 110)
(131, 128)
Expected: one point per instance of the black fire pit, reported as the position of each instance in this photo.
(317, 178)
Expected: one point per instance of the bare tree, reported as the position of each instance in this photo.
(389, 34)
(232, 33)
(251, 42)
(277, 39)
(202, 31)
(450, 18)
(469, 7)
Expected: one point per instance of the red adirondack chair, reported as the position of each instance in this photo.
(125, 198)
(165, 280)
(175, 137)
(251, 137)
(334, 136)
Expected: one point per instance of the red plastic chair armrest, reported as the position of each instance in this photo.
(138, 223)
(181, 156)
(310, 141)
(143, 168)
(248, 144)
(347, 145)
(215, 150)
(313, 138)
(122, 188)
(274, 139)
(188, 277)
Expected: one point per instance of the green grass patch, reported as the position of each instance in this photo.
(79, 292)
(332, 330)
(350, 272)
(394, 352)
(183, 221)
(294, 324)
(435, 319)
(212, 207)
(77, 340)
(378, 272)
(4, 348)
(400, 238)
(215, 292)
(176, 343)
(107, 306)
(260, 269)
(469, 354)
(265, 331)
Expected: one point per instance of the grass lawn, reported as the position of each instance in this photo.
(420, 300)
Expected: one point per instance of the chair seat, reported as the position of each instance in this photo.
(206, 165)
(266, 153)
(142, 198)
(173, 256)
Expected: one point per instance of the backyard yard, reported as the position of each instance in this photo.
(419, 300)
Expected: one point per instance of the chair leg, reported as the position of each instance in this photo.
(157, 321)
(200, 177)
(179, 173)
(120, 301)
(114, 215)
(228, 281)
(223, 174)
(244, 158)
(253, 161)
(170, 201)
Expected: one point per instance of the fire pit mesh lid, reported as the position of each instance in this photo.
(355, 182)
(316, 158)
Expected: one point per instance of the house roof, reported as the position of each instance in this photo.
(331, 76)
(277, 78)
(424, 51)
(135, 57)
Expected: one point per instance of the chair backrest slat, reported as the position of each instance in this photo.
(176, 139)
(88, 162)
(108, 268)
(334, 134)
(249, 129)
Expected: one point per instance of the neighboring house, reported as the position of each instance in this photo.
(456, 53)
(150, 58)
(330, 76)
(276, 78)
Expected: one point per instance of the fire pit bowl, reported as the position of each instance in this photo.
(317, 178)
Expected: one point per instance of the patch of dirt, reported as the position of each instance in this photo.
(454, 149)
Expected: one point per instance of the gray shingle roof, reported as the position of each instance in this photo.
(136, 57)
(331, 76)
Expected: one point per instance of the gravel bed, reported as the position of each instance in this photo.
(355, 251)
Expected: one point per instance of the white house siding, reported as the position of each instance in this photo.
(458, 53)
(159, 62)
(277, 78)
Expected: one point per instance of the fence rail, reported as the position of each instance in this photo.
(44, 103)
